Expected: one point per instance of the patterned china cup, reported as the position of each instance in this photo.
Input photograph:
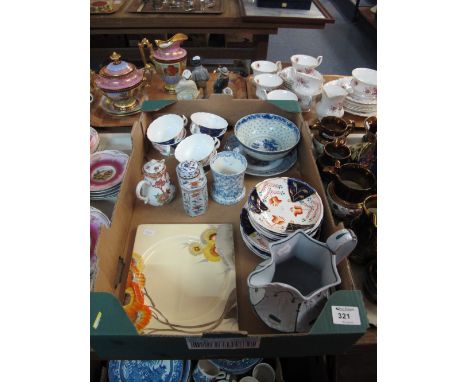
(228, 169)
(208, 123)
(169, 150)
(194, 129)
(353, 182)
(197, 147)
(305, 64)
(207, 372)
(265, 67)
(167, 129)
(266, 82)
(364, 83)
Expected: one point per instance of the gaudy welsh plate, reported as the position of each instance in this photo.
(240, 366)
(107, 169)
(149, 371)
(252, 236)
(283, 205)
(257, 167)
(182, 279)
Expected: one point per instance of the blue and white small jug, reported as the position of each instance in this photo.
(228, 169)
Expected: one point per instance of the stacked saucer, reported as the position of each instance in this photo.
(355, 104)
(276, 208)
(258, 167)
(106, 173)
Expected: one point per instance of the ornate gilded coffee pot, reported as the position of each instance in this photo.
(169, 59)
(121, 83)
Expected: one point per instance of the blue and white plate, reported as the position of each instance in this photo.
(149, 371)
(238, 366)
(262, 168)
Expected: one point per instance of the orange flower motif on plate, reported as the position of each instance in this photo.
(275, 201)
(277, 219)
(296, 210)
(210, 252)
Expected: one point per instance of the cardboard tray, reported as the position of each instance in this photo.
(113, 336)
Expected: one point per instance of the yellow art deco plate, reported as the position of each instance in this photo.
(182, 279)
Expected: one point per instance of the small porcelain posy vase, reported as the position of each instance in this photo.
(156, 188)
(228, 169)
(289, 290)
(331, 103)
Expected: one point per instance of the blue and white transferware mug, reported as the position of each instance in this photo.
(228, 169)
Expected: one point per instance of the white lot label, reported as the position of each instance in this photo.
(346, 315)
(223, 343)
(148, 232)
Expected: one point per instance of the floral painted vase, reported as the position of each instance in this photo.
(156, 188)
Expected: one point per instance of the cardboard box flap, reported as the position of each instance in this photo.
(155, 105)
(345, 298)
(108, 317)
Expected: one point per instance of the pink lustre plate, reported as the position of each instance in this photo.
(97, 219)
(93, 140)
(283, 205)
(107, 169)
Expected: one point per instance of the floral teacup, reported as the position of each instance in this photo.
(305, 64)
(364, 83)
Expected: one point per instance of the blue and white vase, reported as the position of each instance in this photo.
(228, 169)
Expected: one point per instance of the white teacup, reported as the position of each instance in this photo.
(197, 147)
(263, 372)
(280, 95)
(208, 123)
(305, 64)
(267, 82)
(167, 129)
(207, 372)
(168, 150)
(364, 83)
(265, 67)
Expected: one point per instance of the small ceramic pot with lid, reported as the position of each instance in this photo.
(193, 186)
(120, 82)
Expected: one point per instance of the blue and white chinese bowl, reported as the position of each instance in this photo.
(267, 136)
